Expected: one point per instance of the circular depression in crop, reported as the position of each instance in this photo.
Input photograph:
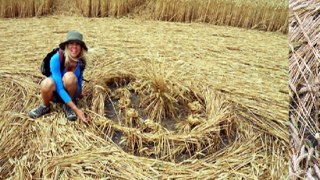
(155, 117)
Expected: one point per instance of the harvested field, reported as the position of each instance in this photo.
(169, 100)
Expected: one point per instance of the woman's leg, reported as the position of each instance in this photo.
(47, 88)
(70, 83)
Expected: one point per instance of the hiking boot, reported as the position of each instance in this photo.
(39, 111)
(70, 114)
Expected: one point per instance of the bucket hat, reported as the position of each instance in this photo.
(74, 36)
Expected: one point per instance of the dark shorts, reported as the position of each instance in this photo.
(57, 99)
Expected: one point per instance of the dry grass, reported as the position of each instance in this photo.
(25, 8)
(217, 107)
(304, 85)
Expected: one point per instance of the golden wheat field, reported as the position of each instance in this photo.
(269, 15)
(168, 100)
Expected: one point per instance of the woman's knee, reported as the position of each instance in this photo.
(48, 85)
(69, 78)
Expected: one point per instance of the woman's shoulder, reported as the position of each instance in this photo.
(56, 57)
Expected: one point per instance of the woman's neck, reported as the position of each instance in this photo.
(73, 59)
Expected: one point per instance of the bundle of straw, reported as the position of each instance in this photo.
(304, 85)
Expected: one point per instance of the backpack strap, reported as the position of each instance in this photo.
(82, 65)
(62, 59)
(82, 68)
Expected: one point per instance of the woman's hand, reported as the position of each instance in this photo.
(82, 116)
(78, 112)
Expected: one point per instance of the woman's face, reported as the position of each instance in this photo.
(74, 49)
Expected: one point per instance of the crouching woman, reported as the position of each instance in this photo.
(64, 85)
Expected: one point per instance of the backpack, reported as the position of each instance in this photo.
(45, 65)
